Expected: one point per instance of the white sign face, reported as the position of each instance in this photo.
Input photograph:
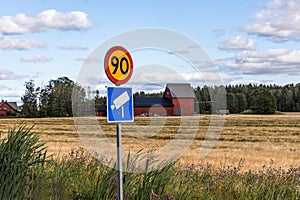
(119, 104)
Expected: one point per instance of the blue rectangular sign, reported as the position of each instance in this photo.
(119, 104)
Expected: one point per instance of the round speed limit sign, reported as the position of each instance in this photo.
(118, 65)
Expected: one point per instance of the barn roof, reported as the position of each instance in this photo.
(11, 104)
(181, 90)
(152, 101)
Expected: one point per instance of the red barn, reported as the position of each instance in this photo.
(182, 96)
(178, 99)
(8, 107)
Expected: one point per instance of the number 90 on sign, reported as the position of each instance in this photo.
(118, 65)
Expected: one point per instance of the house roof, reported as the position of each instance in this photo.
(181, 90)
(11, 104)
(152, 101)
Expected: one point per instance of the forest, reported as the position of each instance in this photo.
(55, 99)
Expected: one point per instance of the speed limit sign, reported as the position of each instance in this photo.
(118, 65)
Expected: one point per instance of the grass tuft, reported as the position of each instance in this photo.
(20, 152)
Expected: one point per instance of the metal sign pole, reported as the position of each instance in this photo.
(119, 155)
(118, 69)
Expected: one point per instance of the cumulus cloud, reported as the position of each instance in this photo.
(272, 61)
(9, 75)
(73, 47)
(46, 20)
(36, 59)
(237, 43)
(7, 43)
(280, 19)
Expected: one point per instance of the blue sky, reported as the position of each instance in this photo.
(253, 41)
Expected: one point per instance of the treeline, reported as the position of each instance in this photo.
(287, 98)
(262, 99)
(55, 98)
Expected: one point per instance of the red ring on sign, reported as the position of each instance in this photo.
(106, 65)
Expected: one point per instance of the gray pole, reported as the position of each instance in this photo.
(119, 155)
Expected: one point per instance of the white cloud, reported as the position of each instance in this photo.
(272, 61)
(238, 43)
(203, 77)
(73, 47)
(46, 20)
(280, 19)
(274, 56)
(7, 43)
(153, 78)
(241, 81)
(9, 75)
(9, 94)
(36, 59)
(196, 78)
(89, 59)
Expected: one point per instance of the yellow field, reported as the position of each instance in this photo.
(257, 140)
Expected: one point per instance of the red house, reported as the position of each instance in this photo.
(8, 107)
(178, 99)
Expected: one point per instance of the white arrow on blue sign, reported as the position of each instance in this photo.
(119, 104)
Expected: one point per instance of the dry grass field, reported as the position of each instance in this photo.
(251, 140)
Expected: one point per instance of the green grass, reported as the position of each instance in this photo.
(27, 173)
